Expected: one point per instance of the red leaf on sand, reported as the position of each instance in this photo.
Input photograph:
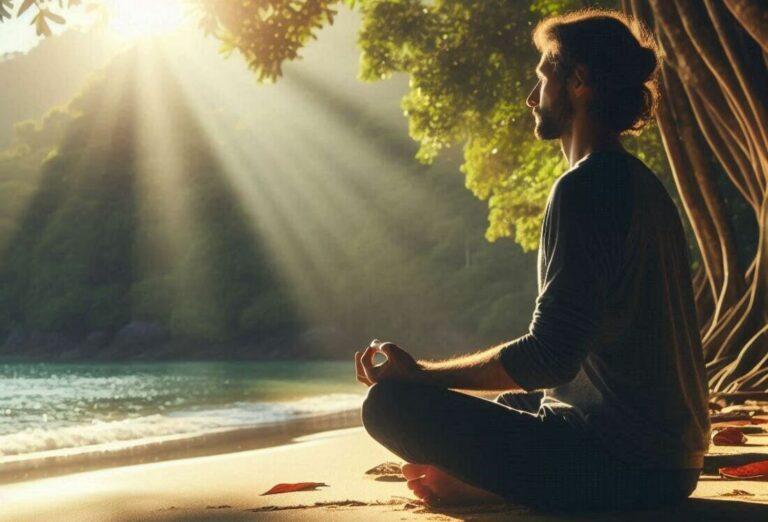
(297, 486)
(752, 471)
(728, 437)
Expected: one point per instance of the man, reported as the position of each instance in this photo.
(615, 414)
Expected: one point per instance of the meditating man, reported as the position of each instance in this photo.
(606, 396)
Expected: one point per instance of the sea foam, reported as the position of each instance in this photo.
(196, 421)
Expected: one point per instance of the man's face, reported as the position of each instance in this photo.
(549, 102)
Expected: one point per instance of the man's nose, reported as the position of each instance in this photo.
(533, 98)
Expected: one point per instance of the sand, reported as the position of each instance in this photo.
(228, 486)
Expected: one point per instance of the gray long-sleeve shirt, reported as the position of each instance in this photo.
(614, 339)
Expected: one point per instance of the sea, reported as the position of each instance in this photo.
(60, 406)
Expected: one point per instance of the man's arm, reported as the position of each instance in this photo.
(477, 371)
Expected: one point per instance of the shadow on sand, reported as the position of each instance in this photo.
(699, 510)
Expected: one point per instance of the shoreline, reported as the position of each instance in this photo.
(47, 464)
(230, 487)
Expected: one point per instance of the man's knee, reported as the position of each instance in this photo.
(380, 404)
(389, 404)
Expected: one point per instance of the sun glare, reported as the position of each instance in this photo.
(132, 19)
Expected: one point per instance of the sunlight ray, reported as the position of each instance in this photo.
(304, 201)
(167, 221)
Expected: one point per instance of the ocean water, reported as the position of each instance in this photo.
(53, 406)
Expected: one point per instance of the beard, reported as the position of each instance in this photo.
(552, 121)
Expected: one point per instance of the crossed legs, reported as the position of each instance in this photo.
(462, 449)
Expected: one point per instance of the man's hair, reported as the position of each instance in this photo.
(621, 59)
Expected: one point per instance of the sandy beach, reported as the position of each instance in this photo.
(229, 486)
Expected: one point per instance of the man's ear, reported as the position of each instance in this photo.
(579, 81)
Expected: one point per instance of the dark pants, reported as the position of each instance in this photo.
(510, 448)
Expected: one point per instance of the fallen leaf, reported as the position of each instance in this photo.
(728, 437)
(291, 487)
(752, 471)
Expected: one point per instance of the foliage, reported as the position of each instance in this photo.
(266, 32)
(42, 17)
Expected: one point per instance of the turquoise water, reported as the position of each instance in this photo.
(46, 406)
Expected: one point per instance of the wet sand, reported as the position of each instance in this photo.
(157, 449)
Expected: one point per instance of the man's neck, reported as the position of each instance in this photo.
(584, 138)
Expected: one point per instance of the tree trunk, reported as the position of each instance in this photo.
(714, 101)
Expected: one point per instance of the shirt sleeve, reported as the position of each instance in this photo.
(580, 253)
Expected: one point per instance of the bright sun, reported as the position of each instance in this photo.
(136, 18)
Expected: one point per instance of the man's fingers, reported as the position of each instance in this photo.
(367, 362)
(368, 355)
(387, 348)
(359, 369)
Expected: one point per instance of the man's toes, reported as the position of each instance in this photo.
(419, 488)
(412, 471)
(414, 484)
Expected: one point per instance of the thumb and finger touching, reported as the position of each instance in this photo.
(367, 362)
(366, 371)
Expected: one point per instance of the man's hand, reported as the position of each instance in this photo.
(399, 365)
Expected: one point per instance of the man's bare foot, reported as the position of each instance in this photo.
(436, 487)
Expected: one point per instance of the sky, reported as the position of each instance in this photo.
(17, 35)
(127, 19)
